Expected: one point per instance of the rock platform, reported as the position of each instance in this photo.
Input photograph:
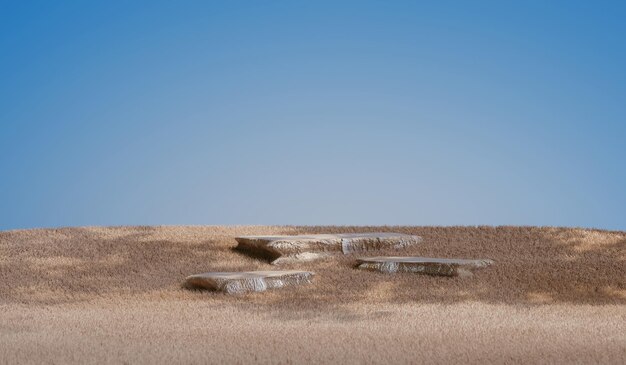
(281, 249)
(247, 281)
(422, 265)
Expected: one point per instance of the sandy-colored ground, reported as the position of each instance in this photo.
(114, 295)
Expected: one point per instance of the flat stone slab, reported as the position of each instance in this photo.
(280, 249)
(247, 281)
(422, 265)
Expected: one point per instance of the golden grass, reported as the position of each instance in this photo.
(94, 294)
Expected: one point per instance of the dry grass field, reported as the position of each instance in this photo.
(114, 295)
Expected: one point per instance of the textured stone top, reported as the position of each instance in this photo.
(329, 236)
(309, 247)
(422, 265)
(247, 281)
(427, 260)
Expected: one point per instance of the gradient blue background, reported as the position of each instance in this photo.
(449, 113)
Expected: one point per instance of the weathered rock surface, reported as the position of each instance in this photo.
(422, 265)
(281, 249)
(247, 281)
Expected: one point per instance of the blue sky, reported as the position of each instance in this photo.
(365, 113)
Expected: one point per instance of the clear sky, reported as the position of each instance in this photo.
(312, 112)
